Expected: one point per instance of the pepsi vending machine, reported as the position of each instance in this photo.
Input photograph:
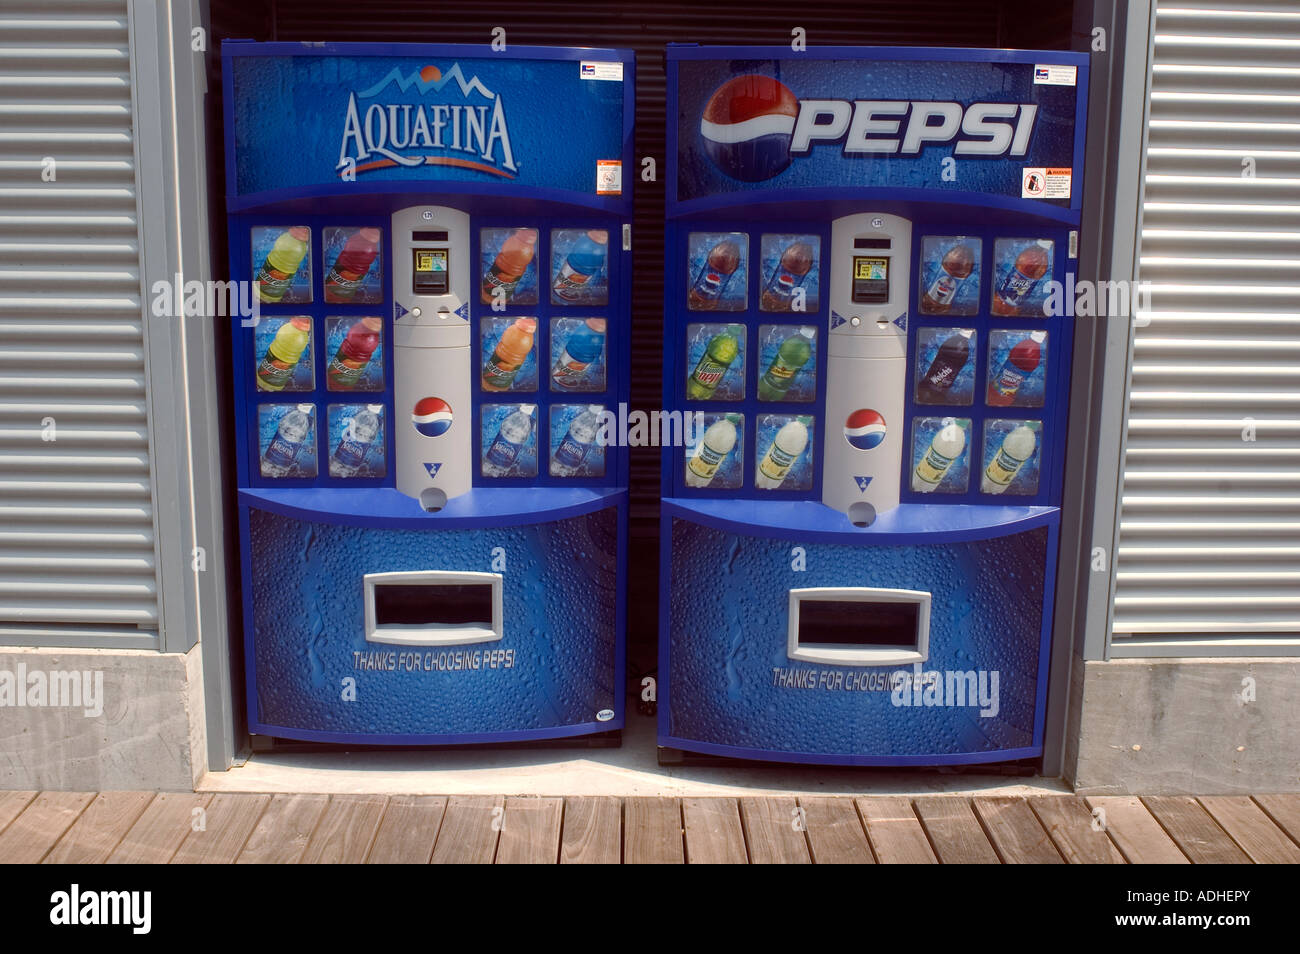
(432, 526)
(866, 257)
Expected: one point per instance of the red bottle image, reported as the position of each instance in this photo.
(953, 270)
(1021, 362)
(1019, 281)
(350, 268)
(348, 365)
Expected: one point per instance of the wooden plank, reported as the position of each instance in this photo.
(1253, 831)
(99, 829)
(1285, 812)
(652, 832)
(32, 834)
(954, 831)
(283, 831)
(593, 831)
(774, 831)
(12, 805)
(346, 830)
(1196, 833)
(714, 835)
(895, 834)
(469, 830)
(225, 827)
(1135, 831)
(835, 833)
(157, 834)
(408, 830)
(1070, 823)
(1016, 834)
(530, 831)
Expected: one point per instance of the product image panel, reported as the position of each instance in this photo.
(715, 452)
(509, 440)
(282, 354)
(1017, 368)
(508, 354)
(354, 266)
(577, 440)
(785, 447)
(356, 350)
(716, 356)
(282, 263)
(578, 348)
(356, 440)
(579, 267)
(1012, 451)
(787, 357)
(790, 274)
(508, 266)
(717, 269)
(941, 455)
(949, 275)
(286, 440)
(1019, 269)
(945, 366)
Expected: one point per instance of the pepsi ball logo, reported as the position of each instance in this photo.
(747, 125)
(865, 429)
(431, 416)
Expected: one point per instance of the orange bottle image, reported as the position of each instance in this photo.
(509, 355)
(509, 266)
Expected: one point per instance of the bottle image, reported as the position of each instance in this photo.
(580, 349)
(348, 365)
(512, 437)
(350, 454)
(953, 270)
(943, 451)
(796, 262)
(502, 277)
(786, 447)
(283, 354)
(282, 453)
(1021, 362)
(1017, 447)
(352, 265)
(1019, 280)
(722, 261)
(721, 351)
(718, 441)
(509, 355)
(583, 263)
(282, 263)
(570, 456)
(790, 358)
(936, 384)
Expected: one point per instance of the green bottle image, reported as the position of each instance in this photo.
(713, 364)
(282, 263)
(790, 358)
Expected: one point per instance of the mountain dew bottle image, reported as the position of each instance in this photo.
(571, 455)
(283, 354)
(1017, 447)
(582, 348)
(943, 451)
(504, 450)
(720, 352)
(583, 263)
(718, 441)
(282, 453)
(350, 454)
(790, 358)
(282, 263)
(785, 449)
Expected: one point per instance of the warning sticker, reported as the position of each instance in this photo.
(1038, 182)
(1049, 75)
(609, 177)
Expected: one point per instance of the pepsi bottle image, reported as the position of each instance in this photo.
(795, 264)
(935, 386)
(711, 281)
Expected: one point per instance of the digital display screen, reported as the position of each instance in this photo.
(870, 279)
(425, 235)
(872, 243)
(429, 271)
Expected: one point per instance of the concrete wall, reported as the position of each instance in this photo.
(1189, 726)
(149, 735)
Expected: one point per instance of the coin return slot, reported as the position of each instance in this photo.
(859, 626)
(432, 608)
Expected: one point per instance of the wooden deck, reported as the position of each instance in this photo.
(118, 827)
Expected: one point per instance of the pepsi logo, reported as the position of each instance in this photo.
(431, 416)
(747, 125)
(865, 429)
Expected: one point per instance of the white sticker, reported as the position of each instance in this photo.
(1074, 243)
(609, 177)
(604, 715)
(593, 70)
(1048, 75)
(1038, 182)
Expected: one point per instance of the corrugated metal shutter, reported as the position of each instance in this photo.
(1210, 518)
(77, 559)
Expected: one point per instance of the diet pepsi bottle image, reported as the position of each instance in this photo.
(499, 459)
(350, 454)
(935, 386)
(571, 456)
(282, 453)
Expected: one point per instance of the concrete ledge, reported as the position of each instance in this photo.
(149, 734)
(1187, 726)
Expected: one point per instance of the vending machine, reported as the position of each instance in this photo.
(870, 264)
(432, 513)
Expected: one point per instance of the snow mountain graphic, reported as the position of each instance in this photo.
(427, 78)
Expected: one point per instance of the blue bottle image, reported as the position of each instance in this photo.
(585, 261)
(502, 454)
(583, 347)
(569, 459)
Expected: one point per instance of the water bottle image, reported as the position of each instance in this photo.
(946, 446)
(719, 440)
(570, 457)
(581, 349)
(785, 449)
(585, 262)
(282, 453)
(1017, 447)
(350, 454)
(515, 432)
